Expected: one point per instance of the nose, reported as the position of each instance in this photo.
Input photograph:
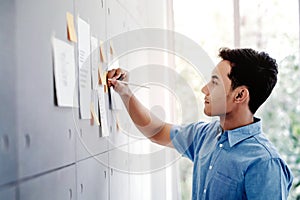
(205, 90)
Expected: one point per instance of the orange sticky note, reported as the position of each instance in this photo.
(94, 116)
(112, 49)
(102, 53)
(103, 78)
(71, 28)
(99, 75)
(92, 119)
(117, 124)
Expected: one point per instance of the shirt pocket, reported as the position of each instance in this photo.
(223, 187)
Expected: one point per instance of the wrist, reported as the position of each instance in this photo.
(126, 93)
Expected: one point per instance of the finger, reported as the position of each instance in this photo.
(113, 82)
(123, 75)
(116, 74)
(120, 74)
(111, 73)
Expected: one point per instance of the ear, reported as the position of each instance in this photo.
(241, 94)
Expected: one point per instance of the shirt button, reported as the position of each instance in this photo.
(204, 191)
(210, 167)
(220, 145)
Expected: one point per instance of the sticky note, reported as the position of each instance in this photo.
(94, 115)
(92, 119)
(103, 78)
(99, 74)
(71, 28)
(102, 53)
(112, 49)
(117, 124)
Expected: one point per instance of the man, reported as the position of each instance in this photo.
(232, 157)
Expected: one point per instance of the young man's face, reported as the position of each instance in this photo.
(219, 98)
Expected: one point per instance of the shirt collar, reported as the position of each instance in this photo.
(239, 134)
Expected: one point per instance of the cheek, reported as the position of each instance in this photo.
(219, 94)
(220, 100)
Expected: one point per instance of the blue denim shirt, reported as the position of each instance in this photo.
(238, 164)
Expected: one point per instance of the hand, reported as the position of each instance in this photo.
(115, 75)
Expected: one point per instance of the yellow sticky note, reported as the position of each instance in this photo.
(99, 74)
(117, 124)
(103, 78)
(92, 119)
(112, 49)
(94, 116)
(102, 53)
(71, 28)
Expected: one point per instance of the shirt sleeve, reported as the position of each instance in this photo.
(185, 138)
(269, 179)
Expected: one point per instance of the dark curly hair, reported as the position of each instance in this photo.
(255, 70)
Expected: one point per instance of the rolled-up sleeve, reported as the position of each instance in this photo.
(184, 137)
(268, 179)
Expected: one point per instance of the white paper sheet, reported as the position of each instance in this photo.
(95, 101)
(84, 57)
(95, 55)
(64, 72)
(116, 101)
(103, 113)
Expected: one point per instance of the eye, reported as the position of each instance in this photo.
(214, 82)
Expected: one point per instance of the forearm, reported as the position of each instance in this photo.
(144, 120)
(150, 125)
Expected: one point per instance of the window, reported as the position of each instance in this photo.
(271, 26)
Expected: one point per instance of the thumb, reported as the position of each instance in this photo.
(119, 87)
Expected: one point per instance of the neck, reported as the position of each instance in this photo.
(235, 120)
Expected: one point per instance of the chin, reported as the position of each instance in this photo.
(208, 113)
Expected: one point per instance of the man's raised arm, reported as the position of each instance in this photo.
(151, 126)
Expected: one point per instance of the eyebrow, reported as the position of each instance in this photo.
(214, 77)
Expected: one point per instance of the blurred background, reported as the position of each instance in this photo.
(271, 26)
